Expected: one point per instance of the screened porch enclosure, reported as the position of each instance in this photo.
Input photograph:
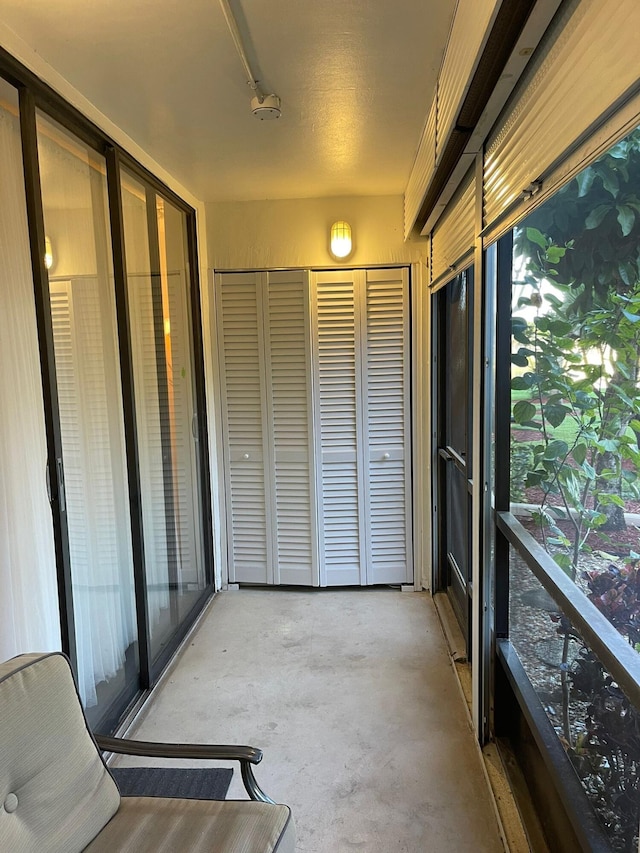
(456, 408)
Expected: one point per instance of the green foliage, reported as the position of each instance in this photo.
(576, 353)
(521, 457)
(606, 755)
(578, 358)
(584, 372)
(616, 593)
(595, 219)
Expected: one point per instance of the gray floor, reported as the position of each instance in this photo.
(352, 698)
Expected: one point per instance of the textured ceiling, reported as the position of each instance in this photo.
(355, 77)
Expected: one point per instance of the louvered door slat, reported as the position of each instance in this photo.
(240, 348)
(386, 427)
(287, 356)
(264, 333)
(337, 375)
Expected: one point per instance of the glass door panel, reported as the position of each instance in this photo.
(81, 290)
(163, 376)
(187, 565)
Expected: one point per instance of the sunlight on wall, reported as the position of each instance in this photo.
(295, 233)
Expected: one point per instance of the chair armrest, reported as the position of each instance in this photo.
(246, 755)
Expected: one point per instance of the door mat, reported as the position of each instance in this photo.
(210, 783)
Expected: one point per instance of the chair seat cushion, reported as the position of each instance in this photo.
(156, 825)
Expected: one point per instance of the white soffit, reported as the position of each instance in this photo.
(356, 80)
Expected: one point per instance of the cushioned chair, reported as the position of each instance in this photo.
(59, 797)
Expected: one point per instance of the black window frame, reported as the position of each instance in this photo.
(37, 96)
(516, 705)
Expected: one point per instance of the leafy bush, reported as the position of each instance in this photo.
(521, 458)
(607, 754)
(616, 594)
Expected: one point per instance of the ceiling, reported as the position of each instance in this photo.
(356, 78)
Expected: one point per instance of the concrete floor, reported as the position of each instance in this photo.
(353, 699)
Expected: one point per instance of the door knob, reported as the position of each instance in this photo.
(386, 456)
(246, 456)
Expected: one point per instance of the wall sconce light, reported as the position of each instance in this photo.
(48, 253)
(340, 243)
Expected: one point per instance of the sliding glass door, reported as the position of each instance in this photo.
(115, 281)
(93, 466)
(158, 297)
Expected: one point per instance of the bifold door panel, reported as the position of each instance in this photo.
(361, 346)
(263, 335)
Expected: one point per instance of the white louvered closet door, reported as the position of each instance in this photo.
(288, 377)
(361, 352)
(386, 436)
(264, 343)
(338, 414)
(69, 393)
(241, 348)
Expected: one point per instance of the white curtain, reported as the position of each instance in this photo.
(29, 616)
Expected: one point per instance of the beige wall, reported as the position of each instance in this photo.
(295, 233)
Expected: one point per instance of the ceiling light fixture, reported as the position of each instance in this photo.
(48, 254)
(262, 106)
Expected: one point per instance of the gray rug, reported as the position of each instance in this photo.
(209, 783)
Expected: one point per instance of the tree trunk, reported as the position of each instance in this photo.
(615, 514)
(610, 460)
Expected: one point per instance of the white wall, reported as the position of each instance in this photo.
(295, 233)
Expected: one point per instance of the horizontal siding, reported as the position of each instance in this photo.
(470, 28)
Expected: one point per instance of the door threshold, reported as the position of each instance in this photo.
(452, 632)
(512, 830)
